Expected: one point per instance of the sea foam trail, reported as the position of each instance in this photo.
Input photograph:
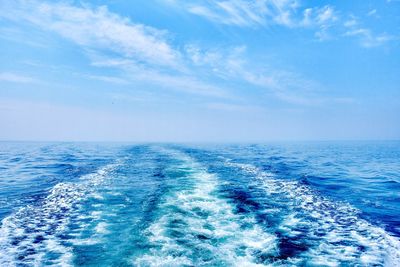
(33, 235)
(333, 233)
(198, 227)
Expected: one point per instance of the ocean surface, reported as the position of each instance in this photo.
(277, 204)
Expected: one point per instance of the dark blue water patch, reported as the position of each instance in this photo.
(389, 184)
(290, 247)
(39, 239)
(152, 176)
(89, 255)
(244, 201)
(17, 240)
(329, 185)
(16, 159)
(255, 204)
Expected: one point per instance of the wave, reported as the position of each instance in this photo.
(333, 233)
(165, 207)
(197, 226)
(35, 234)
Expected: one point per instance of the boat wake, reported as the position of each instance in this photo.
(38, 234)
(160, 206)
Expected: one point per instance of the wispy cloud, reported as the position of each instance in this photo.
(246, 13)
(18, 36)
(351, 22)
(240, 13)
(143, 54)
(15, 78)
(287, 13)
(321, 19)
(96, 28)
(372, 13)
(263, 13)
(368, 39)
(366, 36)
(177, 81)
(319, 16)
(326, 21)
(231, 65)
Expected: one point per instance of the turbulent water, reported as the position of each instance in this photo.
(291, 204)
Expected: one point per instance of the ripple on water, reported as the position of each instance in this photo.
(192, 218)
(197, 226)
(322, 232)
(36, 235)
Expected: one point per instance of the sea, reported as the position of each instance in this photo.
(166, 204)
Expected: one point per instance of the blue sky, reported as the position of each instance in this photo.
(174, 70)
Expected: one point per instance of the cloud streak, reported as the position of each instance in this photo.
(231, 65)
(326, 22)
(143, 54)
(15, 78)
(96, 28)
(288, 13)
(368, 39)
(366, 36)
(246, 13)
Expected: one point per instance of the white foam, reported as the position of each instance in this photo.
(343, 231)
(46, 221)
(101, 228)
(208, 225)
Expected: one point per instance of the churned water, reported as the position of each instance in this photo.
(289, 204)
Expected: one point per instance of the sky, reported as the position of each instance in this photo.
(199, 71)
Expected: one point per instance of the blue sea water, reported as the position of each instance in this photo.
(278, 204)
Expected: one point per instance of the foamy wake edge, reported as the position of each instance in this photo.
(31, 235)
(197, 227)
(342, 237)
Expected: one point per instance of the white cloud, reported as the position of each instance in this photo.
(372, 12)
(366, 36)
(368, 39)
(286, 86)
(231, 65)
(288, 13)
(319, 16)
(142, 54)
(179, 81)
(246, 13)
(96, 28)
(205, 12)
(256, 13)
(322, 19)
(16, 78)
(214, 59)
(351, 22)
(325, 21)
(325, 15)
